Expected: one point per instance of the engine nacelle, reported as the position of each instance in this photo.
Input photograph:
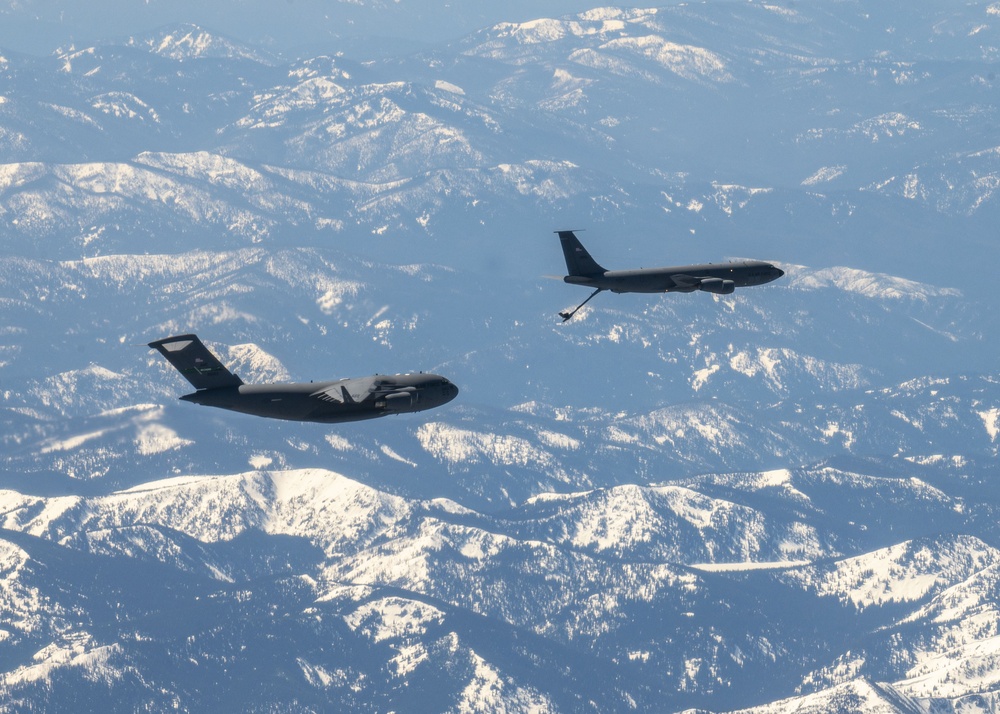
(718, 286)
(397, 401)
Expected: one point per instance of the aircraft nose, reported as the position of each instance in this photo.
(440, 390)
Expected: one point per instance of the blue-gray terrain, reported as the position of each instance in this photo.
(785, 499)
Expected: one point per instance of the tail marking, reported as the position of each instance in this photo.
(195, 362)
(578, 260)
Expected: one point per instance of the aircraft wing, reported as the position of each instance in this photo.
(686, 282)
(333, 393)
(350, 391)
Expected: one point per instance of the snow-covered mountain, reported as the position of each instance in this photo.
(780, 500)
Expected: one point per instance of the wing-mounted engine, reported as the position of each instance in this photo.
(717, 286)
(685, 283)
(399, 400)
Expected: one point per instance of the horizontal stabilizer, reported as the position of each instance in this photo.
(193, 360)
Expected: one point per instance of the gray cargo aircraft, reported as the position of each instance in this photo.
(720, 278)
(324, 402)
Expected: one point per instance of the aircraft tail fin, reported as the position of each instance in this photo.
(195, 362)
(578, 260)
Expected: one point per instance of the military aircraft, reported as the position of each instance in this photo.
(325, 402)
(719, 278)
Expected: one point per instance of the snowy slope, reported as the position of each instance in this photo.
(780, 500)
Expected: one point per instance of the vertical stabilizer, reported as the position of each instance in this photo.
(578, 260)
(193, 360)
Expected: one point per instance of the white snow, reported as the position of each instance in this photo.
(260, 461)
(825, 174)
(125, 105)
(72, 443)
(157, 439)
(338, 442)
(857, 695)
(387, 450)
(488, 690)
(448, 87)
(776, 477)
(686, 61)
(700, 376)
(79, 651)
(556, 440)
(252, 363)
(454, 445)
(956, 672)
(393, 618)
(739, 567)
(991, 420)
(906, 572)
(875, 285)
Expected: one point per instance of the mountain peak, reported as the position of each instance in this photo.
(185, 41)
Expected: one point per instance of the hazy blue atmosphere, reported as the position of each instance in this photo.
(293, 28)
(784, 499)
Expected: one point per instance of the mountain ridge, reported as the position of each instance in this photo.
(784, 498)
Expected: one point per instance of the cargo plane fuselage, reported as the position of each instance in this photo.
(329, 402)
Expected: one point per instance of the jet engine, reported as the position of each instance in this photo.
(717, 286)
(399, 400)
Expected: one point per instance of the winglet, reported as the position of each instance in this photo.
(195, 362)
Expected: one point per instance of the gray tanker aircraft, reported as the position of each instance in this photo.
(720, 278)
(325, 402)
